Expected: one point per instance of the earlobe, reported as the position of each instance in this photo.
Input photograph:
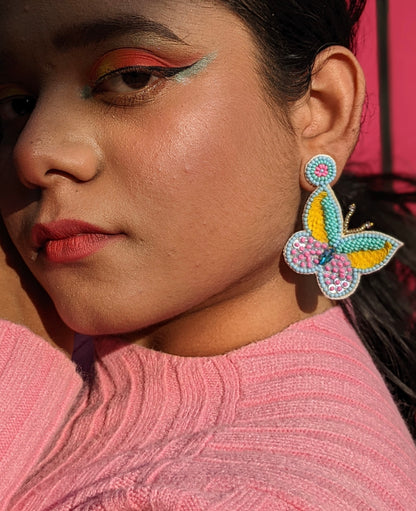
(334, 104)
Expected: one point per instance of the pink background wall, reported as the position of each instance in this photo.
(368, 148)
(403, 82)
(402, 58)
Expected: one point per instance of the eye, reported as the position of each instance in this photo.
(127, 80)
(134, 76)
(16, 107)
(132, 85)
(14, 112)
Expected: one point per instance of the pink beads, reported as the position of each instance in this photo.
(321, 170)
(336, 275)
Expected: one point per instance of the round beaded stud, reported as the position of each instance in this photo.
(321, 170)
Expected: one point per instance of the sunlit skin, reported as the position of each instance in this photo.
(197, 179)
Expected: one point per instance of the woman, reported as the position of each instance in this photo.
(152, 167)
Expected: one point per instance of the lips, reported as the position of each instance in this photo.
(66, 241)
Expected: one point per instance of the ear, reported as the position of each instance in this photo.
(327, 120)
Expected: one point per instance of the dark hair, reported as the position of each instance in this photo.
(291, 34)
(382, 309)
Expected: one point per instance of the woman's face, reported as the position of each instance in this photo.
(144, 172)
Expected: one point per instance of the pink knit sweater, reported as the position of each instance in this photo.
(300, 421)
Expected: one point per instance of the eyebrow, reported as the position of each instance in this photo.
(96, 31)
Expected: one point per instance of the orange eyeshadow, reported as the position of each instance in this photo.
(125, 58)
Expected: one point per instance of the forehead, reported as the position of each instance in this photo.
(21, 10)
(60, 23)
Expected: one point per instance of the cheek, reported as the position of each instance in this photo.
(210, 160)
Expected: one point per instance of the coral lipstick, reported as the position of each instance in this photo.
(67, 241)
(68, 250)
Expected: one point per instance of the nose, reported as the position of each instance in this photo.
(56, 143)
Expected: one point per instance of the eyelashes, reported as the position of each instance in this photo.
(134, 84)
(133, 71)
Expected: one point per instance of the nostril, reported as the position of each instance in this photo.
(62, 173)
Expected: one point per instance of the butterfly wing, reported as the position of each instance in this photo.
(322, 217)
(368, 251)
(322, 221)
(337, 278)
(303, 252)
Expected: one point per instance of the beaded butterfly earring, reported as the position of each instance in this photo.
(337, 255)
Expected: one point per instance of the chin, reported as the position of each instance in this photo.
(95, 315)
(89, 322)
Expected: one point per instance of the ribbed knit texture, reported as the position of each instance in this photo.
(300, 421)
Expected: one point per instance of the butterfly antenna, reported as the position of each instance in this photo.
(364, 227)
